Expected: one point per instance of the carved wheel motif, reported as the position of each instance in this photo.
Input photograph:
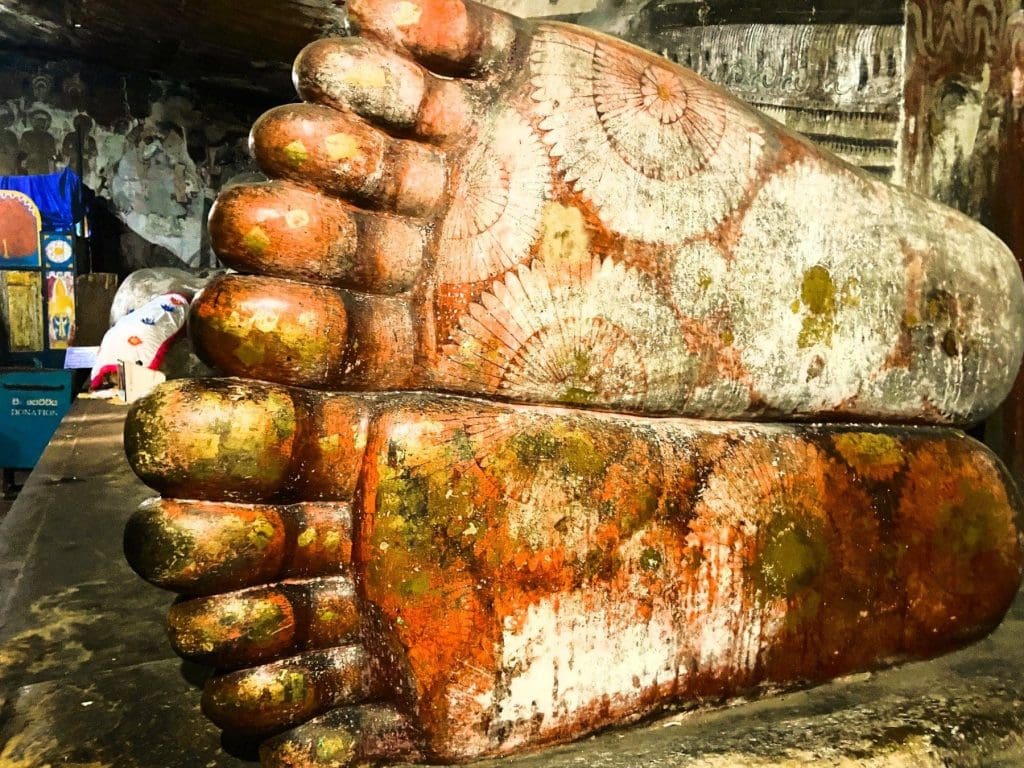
(660, 153)
(595, 333)
(496, 203)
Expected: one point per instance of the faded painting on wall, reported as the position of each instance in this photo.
(21, 310)
(150, 154)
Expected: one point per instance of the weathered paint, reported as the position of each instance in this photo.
(314, 238)
(204, 548)
(261, 624)
(603, 229)
(288, 692)
(687, 278)
(529, 574)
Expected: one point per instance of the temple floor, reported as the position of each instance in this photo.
(87, 678)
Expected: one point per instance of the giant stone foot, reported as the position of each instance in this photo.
(533, 212)
(466, 578)
(481, 204)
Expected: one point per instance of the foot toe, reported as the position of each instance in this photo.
(343, 737)
(280, 695)
(232, 440)
(220, 439)
(258, 625)
(451, 37)
(304, 335)
(346, 157)
(363, 77)
(284, 230)
(205, 548)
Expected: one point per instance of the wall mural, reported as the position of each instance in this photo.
(60, 308)
(957, 99)
(147, 150)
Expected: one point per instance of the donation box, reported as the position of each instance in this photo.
(32, 404)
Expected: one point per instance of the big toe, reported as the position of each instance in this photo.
(304, 335)
(231, 440)
(451, 37)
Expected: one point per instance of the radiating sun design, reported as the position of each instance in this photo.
(662, 154)
(662, 95)
(496, 204)
(597, 334)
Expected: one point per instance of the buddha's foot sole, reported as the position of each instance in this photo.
(463, 578)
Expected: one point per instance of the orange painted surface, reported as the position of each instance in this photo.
(622, 562)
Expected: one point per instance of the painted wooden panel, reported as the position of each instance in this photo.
(21, 300)
(60, 291)
(19, 230)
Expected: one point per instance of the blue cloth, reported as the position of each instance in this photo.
(59, 197)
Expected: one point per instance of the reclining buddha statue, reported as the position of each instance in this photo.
(561, 386)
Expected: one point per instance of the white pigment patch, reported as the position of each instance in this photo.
(572, 653)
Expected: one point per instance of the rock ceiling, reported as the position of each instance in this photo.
(223, 42)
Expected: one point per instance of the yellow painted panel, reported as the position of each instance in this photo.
(21, 305)
(60, 308)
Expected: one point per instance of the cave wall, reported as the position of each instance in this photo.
(155, 152)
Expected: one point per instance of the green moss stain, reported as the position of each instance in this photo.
(851, 293)
(159, 547)
(416, 585)
(257, 240)
(337, 749)
(576, 396)
(332, 541)
(261, 533)
(421, 518)
(296, 153)
(563, 449)
(650, 559)
(581, 384)
(282, 411)
(866, 450)
(643, 507)
(972, 526)
(145, 435)
(307, 537)
(402, 496)
(818, 291)
(264, 620)
(940, 307)
(251, 351)
(462, 446)
(578, 456)
(792, 557)
(818, 295)
(704, 279)
(533, 447)
(292, 688)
